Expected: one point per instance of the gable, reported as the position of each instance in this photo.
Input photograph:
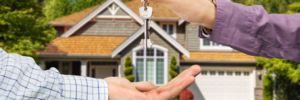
(132, 14)
(113, 10)
(160, 31)
(96, 12)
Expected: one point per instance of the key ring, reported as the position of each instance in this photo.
(145, 6)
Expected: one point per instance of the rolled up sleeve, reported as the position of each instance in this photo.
(22, 78)
(250, 29)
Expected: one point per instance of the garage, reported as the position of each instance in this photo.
(224, 83)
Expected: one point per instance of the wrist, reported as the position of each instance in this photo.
(210, 16)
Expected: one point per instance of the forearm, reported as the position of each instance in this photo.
(22, 78)
(250, 29)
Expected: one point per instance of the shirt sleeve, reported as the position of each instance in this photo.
(250, 29)
(22, 78)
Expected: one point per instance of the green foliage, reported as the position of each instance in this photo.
(268, 87)
(294, 8)
(173, 73)
(272, 6)
(23, 27)
(130, 78)
(128, 69)
(173, 68)
(287, 81)
(59, 8)
(128, 62)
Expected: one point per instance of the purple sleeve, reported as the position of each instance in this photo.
(250, 29)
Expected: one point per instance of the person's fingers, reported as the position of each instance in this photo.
(176, 90)
(144, 86)
(192, 71)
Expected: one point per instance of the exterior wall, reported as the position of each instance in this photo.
(259, 84)
(259, 80)
(156, 39)
(60, 30)
(108, 28)
(181, 34)
(192, 39)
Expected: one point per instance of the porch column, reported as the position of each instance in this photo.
(42, 64)
(83, 67)
(119, 70)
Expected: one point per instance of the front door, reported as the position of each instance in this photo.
(98, 71)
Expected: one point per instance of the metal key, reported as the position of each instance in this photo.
(146, 13)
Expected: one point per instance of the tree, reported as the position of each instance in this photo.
(287, 78)
(128, 69)
(272, 6)
(23, 28)
(59, 8)
(173, 68)
(294, 8)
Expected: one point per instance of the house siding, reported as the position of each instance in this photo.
(110, 28)
(156, 39)
(60, 30)
(181, 34)
(192, 39)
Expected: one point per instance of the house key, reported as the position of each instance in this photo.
(146, 13)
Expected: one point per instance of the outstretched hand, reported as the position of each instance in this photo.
(121, 89)
(198, 12)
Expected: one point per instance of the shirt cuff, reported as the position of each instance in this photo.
(205, 34)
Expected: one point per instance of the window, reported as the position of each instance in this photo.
(212, 73)
(93, 73)
(170, 28)
(246, 73)
(206, 45)
(150, 66)
(238, 73)
(65, 68)
(221, 73)
(203, 72)
(114, 72)
(229, 73)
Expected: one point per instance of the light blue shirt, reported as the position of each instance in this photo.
(22, 78)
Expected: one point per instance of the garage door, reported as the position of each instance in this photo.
(225, 84)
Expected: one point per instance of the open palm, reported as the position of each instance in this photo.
(121, 89)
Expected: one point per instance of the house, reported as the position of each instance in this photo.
(95, 42)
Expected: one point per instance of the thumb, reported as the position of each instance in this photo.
(144, 86)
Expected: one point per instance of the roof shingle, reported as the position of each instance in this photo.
(75, 17)
(159, 11)
(87, 45)
(218, 56)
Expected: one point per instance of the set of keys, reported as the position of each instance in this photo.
(146, 13)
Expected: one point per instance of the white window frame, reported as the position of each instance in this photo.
(165, 57)
(174, 28)
(113, 10)
(213, 48)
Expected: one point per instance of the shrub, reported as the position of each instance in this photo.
(128, 69)
(173, 68)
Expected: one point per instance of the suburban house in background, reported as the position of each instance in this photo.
(95, 42)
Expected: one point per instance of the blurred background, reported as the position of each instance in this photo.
(107, 44)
